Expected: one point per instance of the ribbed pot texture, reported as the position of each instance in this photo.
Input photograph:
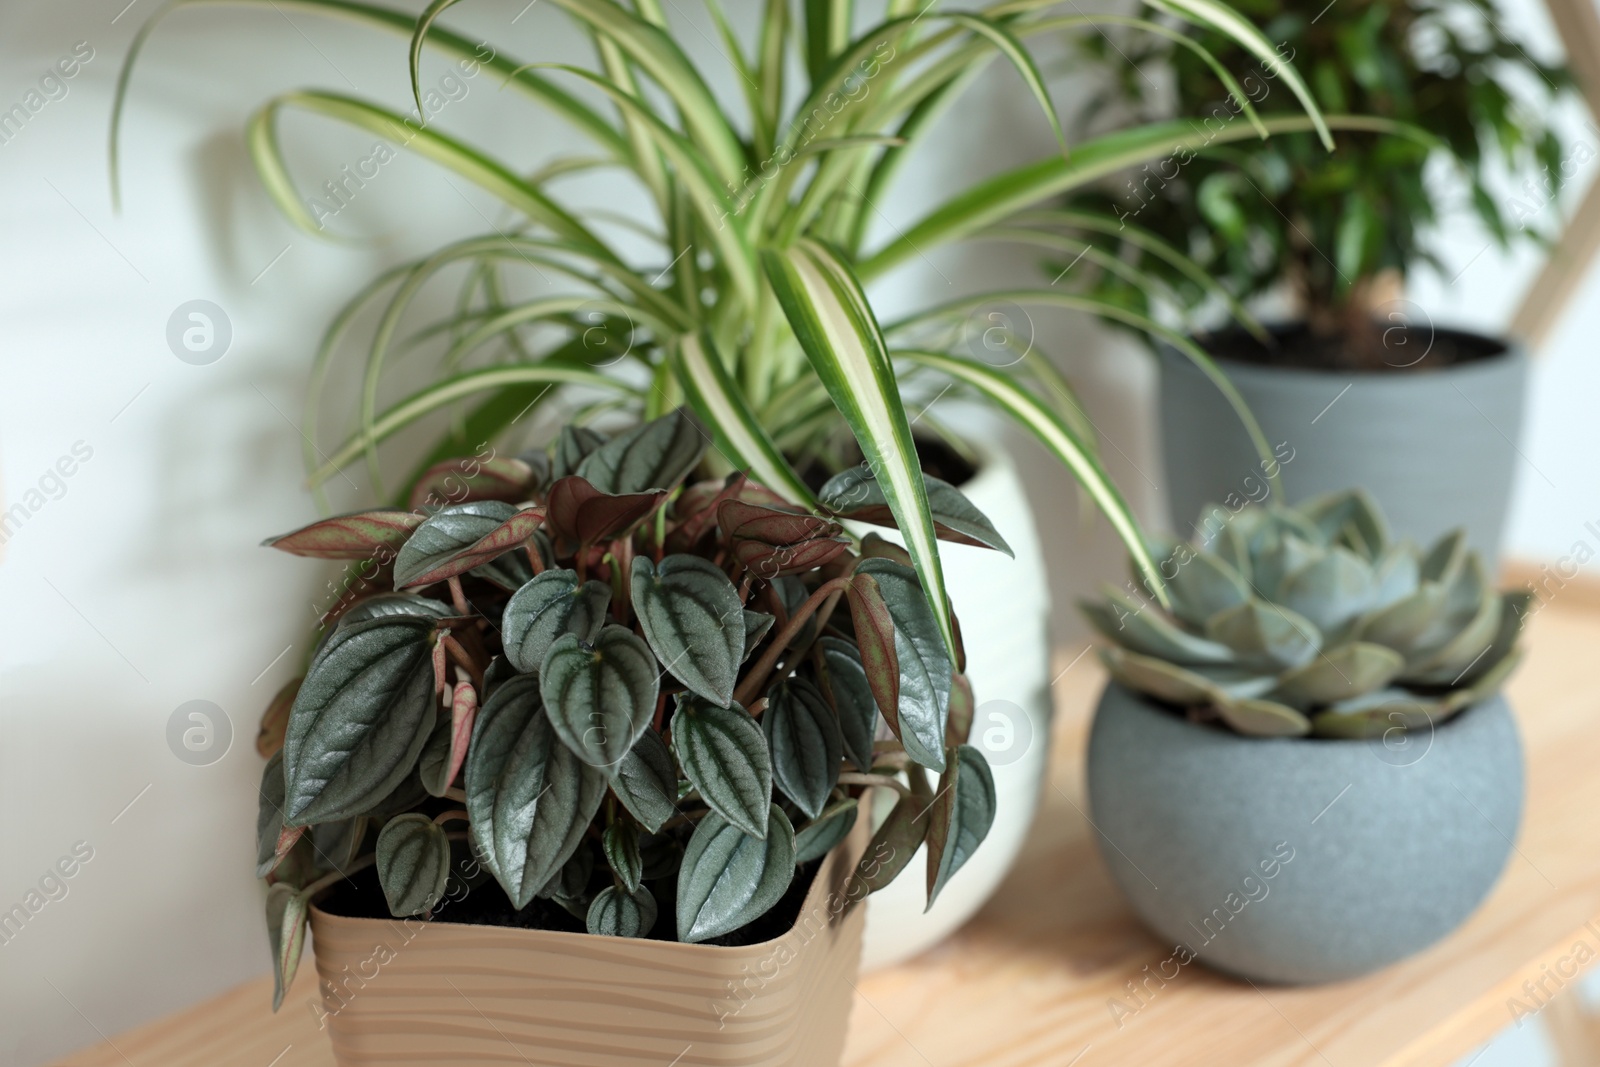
(441, 993)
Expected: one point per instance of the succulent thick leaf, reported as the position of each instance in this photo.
(1256, 717)
(621, 913)
(819, 836)
(730, 877)
(1376, 714)
(1450, 663)
(1395, 576)
(756, 625)
(855, 493)
(897, 840)
(1402, 624)
(577, 514)
(1279, 555)
(600, 695)
(550, 606)
(574, 444)
(360, 719)
(1513, 617)
(1349, 518)
(724, 755)
(1341, 673)
(1445, 558)
(358, 535)
(694, 621)
(530, 799)
(803, 737)
(1202, 586)
(447, 534)
(1266, 635)
(962, 812)
(459, 481)
(1331, 590)
(413, 864)
(287, 915)
(1141, 627)
(656, 455)
(647, 781)
(1184, 686)
(269, 815)
(620, 843)
(924, 668)
(1466, 590)
(852, 699)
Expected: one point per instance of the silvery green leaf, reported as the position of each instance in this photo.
(1448, 664)
(1140, 627)
(376, 607)
(1330, 591)
(818, 837)
(1230, 546)
(360, 719)
(925, 667)
(852, 697)
(730, 878)
(1465, 594)
(1349, 518)
(1281, 556)
(600, 696)
(691, 615)
(1341, 673)
(434, 762)
(545, 608)
(756, 625)
(413, 864)
(656, 455)
(529, 798)
(803, 737)
(1445, 558)
(1184, 686)
(1266, 635)
(647, 781)
(1402, 624)
(620, 842)
(572, 445)
(1395, 576)
(269, 815)
(287, 914)
(445, 534)
(855, 493)
(962, 812)
(571, 882)
(405, 796)
(724, 755)
(619, 913)
(1202, 585)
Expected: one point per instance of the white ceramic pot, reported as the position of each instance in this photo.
(1004, 606)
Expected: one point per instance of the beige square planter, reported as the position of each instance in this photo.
(447, 994)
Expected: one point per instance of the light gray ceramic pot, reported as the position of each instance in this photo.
(1436, 448)
(1293, 860)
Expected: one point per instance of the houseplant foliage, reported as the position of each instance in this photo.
(645, 702)
(1341, 227)
(749, 304)
(1296, 621)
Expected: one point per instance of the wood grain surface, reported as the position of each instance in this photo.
(1032, 980)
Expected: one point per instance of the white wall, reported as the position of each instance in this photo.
(137, 586)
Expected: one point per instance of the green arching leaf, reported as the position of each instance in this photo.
(269, 815)
(828, 312)
(724, 755)
(618, 913)
(530, 799)
(546, 608)
(721, 403)
(852, 699)
(287, 915)
(413, 864)
(854, 493)
(897, 840)
(819, 836)
(358, 535)
(962, 812)
(620, 842)
(998, 35)
(803, 737)
(647, 782)
(655, 455)
(600, 695)
(925, 669)
(360, 719)
(1142, 628)
(729, 877)
(692, 616)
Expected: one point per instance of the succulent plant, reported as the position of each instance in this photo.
(618, 694)
(1294, 621)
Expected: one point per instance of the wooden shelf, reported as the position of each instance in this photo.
(1030, 980)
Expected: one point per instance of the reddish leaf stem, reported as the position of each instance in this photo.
(826, 596)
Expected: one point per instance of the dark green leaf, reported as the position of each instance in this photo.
(647, 781)
(962, 812)
(924, 665)
(572, 445)
(620, 842)
(852, 699)
(724, 755)
(511, 534)
(691, 615)
(447, 533)
(571, 882)
(818, 837)
(512, 570)
(600, 697)
(377, 607)
(360, 719)
(730, 878)
(897, 840)
(552, 604)
(359, 535)
(413, 864)
(656, 455)
(335, 844)
(616, 913)
(756, 625)
(529, 798)
(803, 735)
(855, 493)
(269, 815)
(287, 914)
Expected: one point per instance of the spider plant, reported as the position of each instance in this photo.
(750, 305)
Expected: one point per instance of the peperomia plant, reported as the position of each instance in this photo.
(623, 695)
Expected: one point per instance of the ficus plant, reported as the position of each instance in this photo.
(647, 702)
(748, 302)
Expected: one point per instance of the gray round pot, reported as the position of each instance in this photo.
(1437, 448)
(1293, 860)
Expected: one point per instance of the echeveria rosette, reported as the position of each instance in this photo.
(628, 698)
(1308, 620)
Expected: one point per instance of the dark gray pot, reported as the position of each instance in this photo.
(1436, 448)
(1294, 860)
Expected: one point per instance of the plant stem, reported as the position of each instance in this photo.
(457, 597)
(875, 780)
(754, 681)
(445, 816)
